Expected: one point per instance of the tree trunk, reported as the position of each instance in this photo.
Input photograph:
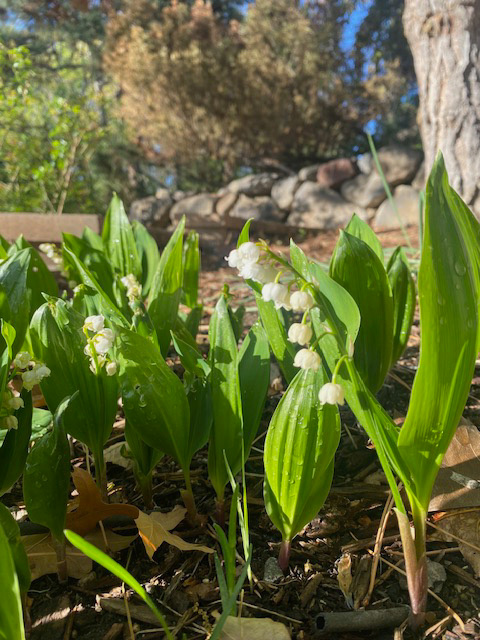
(444, 36)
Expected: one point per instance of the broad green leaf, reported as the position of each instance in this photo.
(94, 260)
(6, 344)
(11, 614)
(199, 397)
(145, 456)
(192, 321)
(191, 268)
(254, 373)
(154, 400)
(105, 561)
(58, 339)
(274, 325)
(39, 278)
(119, 241)
(227, 429)
(449, 324)
(93, 239)
(191, 358)
(46, 480)
(148, 254)
(404, 300)
(166, 289)
(13, 282)
(299, 449)
(41, 422)
(19, 556)
(14, 449)
(360, 229)
(236, 318)
(358, 269)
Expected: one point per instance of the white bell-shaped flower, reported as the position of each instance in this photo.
(301, 301)
(103, 341)
(22, 360)
(277, 293)
(111, 368)
(94, 323)
(332, 393)
(300, 333)
(35, 376)
(307, 359)
(9, 422)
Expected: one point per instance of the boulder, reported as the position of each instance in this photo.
(399, 164)
(198, 208)
(258, 184)
(225, 203)
(420, 178)
(406, 199)
(284, 190)
(308, 173)
(332, 174)
(152, 209)
(261, 208)
(365, 163)
(320, 208)
(366, 191)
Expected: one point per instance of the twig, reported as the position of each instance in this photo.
(378, 545)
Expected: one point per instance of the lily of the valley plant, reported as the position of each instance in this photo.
(336, 329)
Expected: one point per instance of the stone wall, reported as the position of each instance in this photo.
(322, 196)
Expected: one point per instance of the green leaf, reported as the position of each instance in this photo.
(404, 300)
(166, 288)
(358, 269)
(93, 239)
(227, 429)
(254, 373)
(299, 449)
(190, 357)
(11, 614)
(274, 325)
(191, 268)
(8, 334)
(92, 259)
(199, 396)
(105, 561)
(449, 325)
(13, 282)
(58, 340)
(192, 321)
(154, 399)
(360, 229)
(148, 254)
(119, 241)
(145, 456)
(19, 556)
(46, 480)
(39, 278)
(14, 449)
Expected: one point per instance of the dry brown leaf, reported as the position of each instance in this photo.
(43, 559)
(457, 483)
(465, 525)
(91, 509)
(40, 549)
(154, 529)
(253, 629)
(113, 454)
(344, 577)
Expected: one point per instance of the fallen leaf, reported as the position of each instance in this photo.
(154, 529)
(465, 525)
(344, 577)
(253, 629)
(43, 559)
(90, 508)
(114, 455)
(457, 484)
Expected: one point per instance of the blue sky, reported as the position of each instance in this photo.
(355, 21)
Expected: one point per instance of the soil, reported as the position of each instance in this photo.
(184, 583)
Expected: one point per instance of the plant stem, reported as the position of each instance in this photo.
(145, 485)
(60, 550)
(188, 498)
(220, 511)
(284, 555)
(101, 473)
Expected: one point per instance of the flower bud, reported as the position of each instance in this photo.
(10, 422)
(94, 323)
(307, 359)
(301, 301)
(22, 360)
(331, 393)
(111, 368)
(300, 333)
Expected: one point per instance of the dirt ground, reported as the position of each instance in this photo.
(184, 583)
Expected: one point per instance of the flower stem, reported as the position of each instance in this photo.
(101, 473)
(284, 555)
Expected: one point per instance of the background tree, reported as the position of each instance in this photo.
(445, 41)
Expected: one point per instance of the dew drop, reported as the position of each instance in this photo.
(460, 268)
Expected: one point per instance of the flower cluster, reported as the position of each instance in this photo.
(10, 403)
(99, 344)
(51, 251)
(133, 287)
(252, 263)
(32, 373)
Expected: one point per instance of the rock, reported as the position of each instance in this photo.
(365, 163)
(261, 208)
(284, 190)
(225, 204)
(366, 191)
(198, 208)
(399, 164)
(407, 200)
(308, 173)
(258, 184)
(180, 195)
(316, 207)
(271, 571)
(420, 178)
(152, 209)
(332, 174)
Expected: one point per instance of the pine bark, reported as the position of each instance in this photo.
(444, 36)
